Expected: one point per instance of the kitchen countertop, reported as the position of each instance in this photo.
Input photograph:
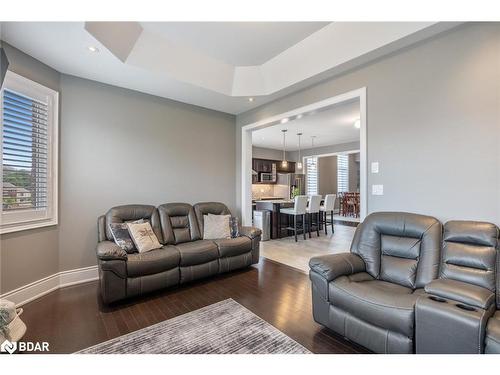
(275, 200)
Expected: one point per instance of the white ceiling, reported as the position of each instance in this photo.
(330, 127)
(236, 43)
(213, 65)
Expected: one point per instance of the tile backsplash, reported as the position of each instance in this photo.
(264, 190)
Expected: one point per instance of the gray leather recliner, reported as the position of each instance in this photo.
(369, 294)
(184, 257)
(452, 319)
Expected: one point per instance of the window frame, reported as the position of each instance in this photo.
(308, 175)
(346, 156)
(15, 221)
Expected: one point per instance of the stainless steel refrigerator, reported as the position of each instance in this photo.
(287, 182)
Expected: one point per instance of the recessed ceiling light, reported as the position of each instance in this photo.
(250, 100)
(93, 49)
(284, 121)
(357, 123)
(299, 116)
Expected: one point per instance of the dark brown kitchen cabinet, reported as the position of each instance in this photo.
(290, 167)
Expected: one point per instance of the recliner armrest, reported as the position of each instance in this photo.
(250, 232)
(108, 250)
(459, 291)
(335, 265)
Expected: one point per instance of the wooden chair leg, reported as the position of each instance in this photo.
(317, 223)
(323, 218)
(295, 227)
(331, 215)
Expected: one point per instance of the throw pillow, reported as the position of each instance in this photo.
(216, 227)
(143, 236)
(235, 227)
(122, 237)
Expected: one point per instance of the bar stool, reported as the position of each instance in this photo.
(299, 209)
(326, 207)
(313, 209)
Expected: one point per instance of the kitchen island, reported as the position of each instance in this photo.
(279, 222)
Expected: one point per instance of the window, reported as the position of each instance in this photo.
(312, 175)
(29, 124)
(342, 173)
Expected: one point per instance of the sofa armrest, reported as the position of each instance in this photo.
(108, 250)
(459, 291)
(250, 232)
(335, 265)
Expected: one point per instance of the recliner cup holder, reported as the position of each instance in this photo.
(437, 299)
(465, 307)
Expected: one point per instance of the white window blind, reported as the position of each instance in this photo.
(342, 173)
(312, 175)
(29, 151)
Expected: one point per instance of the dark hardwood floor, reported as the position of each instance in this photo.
(74, 317)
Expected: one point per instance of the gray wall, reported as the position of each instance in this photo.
(117, 147)
(268, 153)
(433, 124)
(327, 175)
(120, 147)
(29, 255)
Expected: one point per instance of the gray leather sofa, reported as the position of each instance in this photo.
(184, 257)
(387, 295)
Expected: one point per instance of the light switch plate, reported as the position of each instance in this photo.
(375, 167)
(377, 189)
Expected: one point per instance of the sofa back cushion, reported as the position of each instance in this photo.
(469, 253)
(133, 212)
(178, 223)
(205, 208)
(399, 247)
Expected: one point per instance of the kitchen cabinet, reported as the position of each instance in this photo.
(290, 168)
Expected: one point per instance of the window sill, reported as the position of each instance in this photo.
(27, 226)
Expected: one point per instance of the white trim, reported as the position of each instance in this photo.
(246, 148)
(39, 288)
(25, 86)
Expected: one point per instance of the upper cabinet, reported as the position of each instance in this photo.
(266, 166)
(290, 168)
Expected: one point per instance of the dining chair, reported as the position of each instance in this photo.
(313, 210)
(328, 207)
(299, 209)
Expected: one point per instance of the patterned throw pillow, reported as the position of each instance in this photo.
(216, 227)
(235, 227)
(122, 237)
(143, 236)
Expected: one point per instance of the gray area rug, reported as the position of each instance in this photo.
(225, 327)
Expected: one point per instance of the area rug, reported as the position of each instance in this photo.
(225, 327)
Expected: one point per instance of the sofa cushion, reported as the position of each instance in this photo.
(383, 304)
(493, 334)
(229, 247)
(153, 261)
(178, 223)
(197, 252)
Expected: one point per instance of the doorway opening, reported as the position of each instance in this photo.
(316, 150)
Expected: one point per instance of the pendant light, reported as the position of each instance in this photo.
(299, 163)
(284, 163)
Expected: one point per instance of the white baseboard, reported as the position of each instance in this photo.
(34, 290)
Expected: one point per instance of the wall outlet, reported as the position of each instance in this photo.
(377, 189)
(375, 167)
